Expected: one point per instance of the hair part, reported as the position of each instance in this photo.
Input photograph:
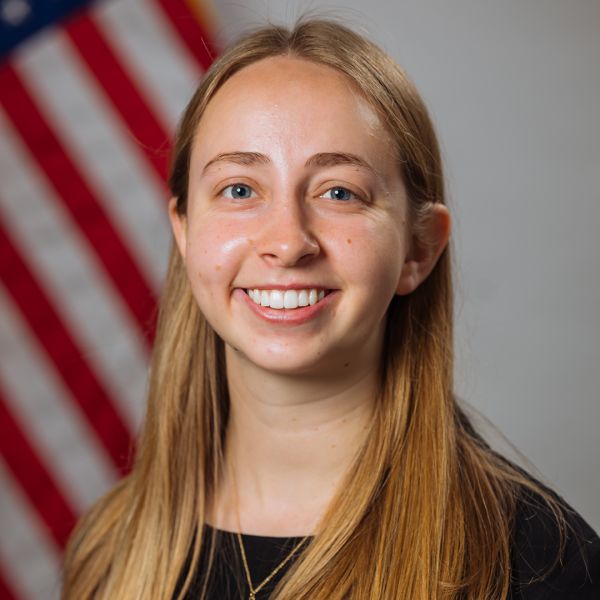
(427, 507)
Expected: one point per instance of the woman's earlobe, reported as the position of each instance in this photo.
(425, 250)
(178, 226)
(409, 279)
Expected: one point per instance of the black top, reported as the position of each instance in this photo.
(535, 546)
(228, 580)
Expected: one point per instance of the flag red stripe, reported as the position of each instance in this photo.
(79, 200)
(34, 478)
(198, 42)
(120, 91)
(63, 352)
(6, 592)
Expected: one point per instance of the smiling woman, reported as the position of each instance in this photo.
(302, 438)
(274, 194)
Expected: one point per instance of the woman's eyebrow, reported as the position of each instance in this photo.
(332, 159)
(322, 159)
(238, 158)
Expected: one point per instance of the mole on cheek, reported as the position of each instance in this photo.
(217, 267)
(349, 241)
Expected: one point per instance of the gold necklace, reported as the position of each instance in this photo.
(261, 585)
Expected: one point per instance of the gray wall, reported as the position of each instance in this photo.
(514, 88)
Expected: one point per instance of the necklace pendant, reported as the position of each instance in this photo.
(252, 596)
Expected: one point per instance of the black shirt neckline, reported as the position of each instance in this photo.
(255, 536)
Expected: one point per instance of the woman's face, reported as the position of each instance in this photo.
(295, 200)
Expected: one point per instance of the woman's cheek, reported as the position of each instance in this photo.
(374, 253)
(215, 252)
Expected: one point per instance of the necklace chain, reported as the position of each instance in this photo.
(269, 577)
(261, 585)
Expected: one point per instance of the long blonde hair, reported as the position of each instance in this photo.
(427, 508)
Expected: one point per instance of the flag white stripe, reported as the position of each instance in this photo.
(40, 404)
(66, 268)
(102, 149)
(154, 54)
(30, 560)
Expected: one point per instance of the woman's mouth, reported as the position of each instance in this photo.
(286, 299)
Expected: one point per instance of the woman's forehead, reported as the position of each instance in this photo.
(290, 105)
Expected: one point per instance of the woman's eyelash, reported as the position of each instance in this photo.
(341, 193)
(238, 191)
(243, 191)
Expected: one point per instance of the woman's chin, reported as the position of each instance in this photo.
(282, 361)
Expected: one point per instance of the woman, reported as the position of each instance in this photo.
(302, 439)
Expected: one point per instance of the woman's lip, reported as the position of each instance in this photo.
(292, 316)
(294, 286)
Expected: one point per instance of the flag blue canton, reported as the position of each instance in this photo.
(20, 19)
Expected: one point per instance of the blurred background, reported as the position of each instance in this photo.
(90, 94)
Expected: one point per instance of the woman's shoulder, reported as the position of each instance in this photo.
(550, 561)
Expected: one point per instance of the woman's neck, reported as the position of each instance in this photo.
(289, 442)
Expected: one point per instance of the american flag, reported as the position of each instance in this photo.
(90, 94)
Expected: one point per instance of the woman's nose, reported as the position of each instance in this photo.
(286, 238)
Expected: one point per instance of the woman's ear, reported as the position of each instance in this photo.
(178, 225)
(425, 249)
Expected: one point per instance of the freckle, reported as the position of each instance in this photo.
(332, 446)
(347, 364)
(349, 241)
(218, 268)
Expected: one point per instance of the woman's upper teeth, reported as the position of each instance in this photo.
(286, 298)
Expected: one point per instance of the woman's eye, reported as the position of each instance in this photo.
(339, 193)
(238, 191)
